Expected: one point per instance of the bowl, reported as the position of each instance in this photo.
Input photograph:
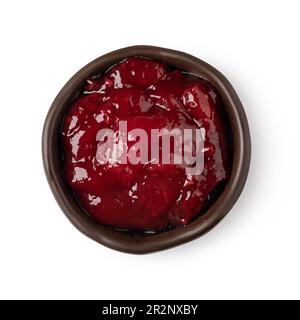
(134, 243)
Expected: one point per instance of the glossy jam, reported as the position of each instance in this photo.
(149, 95)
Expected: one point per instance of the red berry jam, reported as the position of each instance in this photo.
(149, 196)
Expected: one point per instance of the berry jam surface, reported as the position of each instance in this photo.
(150, 95)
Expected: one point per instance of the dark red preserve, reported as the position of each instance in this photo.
(143, 196)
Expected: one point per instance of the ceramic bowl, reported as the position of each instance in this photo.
(133, 243)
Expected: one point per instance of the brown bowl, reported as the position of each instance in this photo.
(147, 243)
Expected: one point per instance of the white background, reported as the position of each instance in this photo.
(254, 252)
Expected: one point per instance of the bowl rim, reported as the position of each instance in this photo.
(201, 225)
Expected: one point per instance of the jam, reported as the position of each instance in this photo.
(151, 196)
